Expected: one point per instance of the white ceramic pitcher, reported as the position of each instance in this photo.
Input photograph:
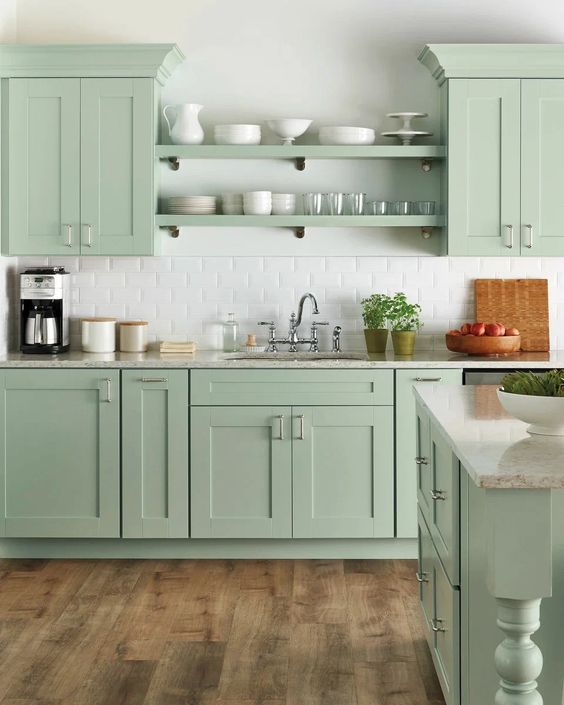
(185, 127)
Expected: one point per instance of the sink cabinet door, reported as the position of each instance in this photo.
(343, 469)
(155, 453)
(59, 453)
(241, 472)
(42, 209)
(117, 164)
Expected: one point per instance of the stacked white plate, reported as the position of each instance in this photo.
(237, 134)
(347, 135)
(192, 205)
(232, 203)
(283, 203)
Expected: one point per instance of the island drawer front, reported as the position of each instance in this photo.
(446, 649)
(426, 577)
(284, 387)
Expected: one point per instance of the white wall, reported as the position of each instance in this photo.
(333, 61)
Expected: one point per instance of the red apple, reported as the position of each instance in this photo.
(511, 331)
(502, 328)
(454, 332)
(494, 329)
(478, 329)
(465, 328)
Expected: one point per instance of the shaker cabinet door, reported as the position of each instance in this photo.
(343, 469)
(241, 472)
(155, 453)
(484, 145)
(117, 139)
(59, 453)
(43, 167)
(542, 205)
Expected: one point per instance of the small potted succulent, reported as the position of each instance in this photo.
(405, 320)
(375, 310)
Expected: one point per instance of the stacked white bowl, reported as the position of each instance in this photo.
(192, 205)
(232, 203)
(347, 135)
(257, 203)
(283, 203)
(237, 134)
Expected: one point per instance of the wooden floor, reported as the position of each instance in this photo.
(221, 632)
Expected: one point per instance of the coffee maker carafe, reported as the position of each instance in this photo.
(44, 295)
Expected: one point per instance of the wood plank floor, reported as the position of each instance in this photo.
(313, 632)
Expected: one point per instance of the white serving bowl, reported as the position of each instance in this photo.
(288, 128)
(346, 135)
(237, 134)
(544, 414)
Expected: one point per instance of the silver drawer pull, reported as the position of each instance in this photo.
(108, 390)
(88, 242)
(529, 244)
(68, 243)
(422, 577)
(281, 422)
(421, 460)
(438, 495)
(509, 229)
(302, 428)
(154, 379)
(428, 379)
(435, 625)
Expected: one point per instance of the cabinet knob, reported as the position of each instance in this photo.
(421, 460)
(436, 625)
(438, 495)
(421, 577)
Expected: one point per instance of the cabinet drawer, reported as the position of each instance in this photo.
(446, 630)
(426, 577)
(286, 387)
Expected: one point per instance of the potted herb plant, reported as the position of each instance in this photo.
(375, 310)
(405, 319)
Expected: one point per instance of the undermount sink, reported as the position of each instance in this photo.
(297, 356)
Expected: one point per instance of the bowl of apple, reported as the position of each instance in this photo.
(486, 339)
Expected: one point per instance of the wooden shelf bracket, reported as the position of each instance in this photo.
(300, 232)
(426, 232)
(174, 163)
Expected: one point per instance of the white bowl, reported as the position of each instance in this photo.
(544, 414)
(288, 128)
(283, 208)
(237, 139)
(257, 208)
(346, 135)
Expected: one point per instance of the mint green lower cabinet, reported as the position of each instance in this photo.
(59, 453)
(343, 470)
(155, 466)
(241, 472)
(412, 439)
(426, 578)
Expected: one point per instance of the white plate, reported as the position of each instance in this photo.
(407, 136)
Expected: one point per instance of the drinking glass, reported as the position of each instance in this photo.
(379, 208)
(333, 203)
(354, 203)
(425, 207)
(402, 207)
(313, 203)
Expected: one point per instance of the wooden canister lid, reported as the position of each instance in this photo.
(134, 323)
(100, 319)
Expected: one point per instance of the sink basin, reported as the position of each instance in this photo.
(297, 356)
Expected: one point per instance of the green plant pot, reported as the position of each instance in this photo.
(376, 339)
(403, 341)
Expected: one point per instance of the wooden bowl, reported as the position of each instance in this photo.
(483, 344)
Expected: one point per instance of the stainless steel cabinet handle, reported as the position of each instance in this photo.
(421, 460)
(509, 243)
(428, 379)
(108, 390)
(529, 244)
(88, 242)
(438, 495)
(302, 428)
(435, 625)
(68, 243)
(154, 379)
(421, 577)
(281, 422)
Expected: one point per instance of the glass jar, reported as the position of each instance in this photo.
(230, 332)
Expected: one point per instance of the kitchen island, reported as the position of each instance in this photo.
(491, 518)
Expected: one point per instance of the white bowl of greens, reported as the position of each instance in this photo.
(536, 399)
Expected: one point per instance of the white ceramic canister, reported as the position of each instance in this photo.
(133, 336)
(98, 335)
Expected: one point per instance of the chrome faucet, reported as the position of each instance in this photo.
(293, 339)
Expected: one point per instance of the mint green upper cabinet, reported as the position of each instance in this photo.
(484, 144)
(155, 453)
(542, 155)
(117, 157)
(241, 472)
(343, 470)
(42, 216)
(59, 453)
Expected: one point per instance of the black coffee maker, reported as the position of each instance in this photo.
(44, 310)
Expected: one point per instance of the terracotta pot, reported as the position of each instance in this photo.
(404, 341)
(376, 339)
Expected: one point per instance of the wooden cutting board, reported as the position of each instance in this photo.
(519, 303)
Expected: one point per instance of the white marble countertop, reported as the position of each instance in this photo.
(217, 359)
(495, 448)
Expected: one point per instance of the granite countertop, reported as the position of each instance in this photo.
(216, 359)
(495, 448)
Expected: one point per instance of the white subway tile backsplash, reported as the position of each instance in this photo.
(278, 264)
(172, 280)
(109, 279)
(125, 296)
(218, 264)
(156, 296)
(156, 264)
(187, 264)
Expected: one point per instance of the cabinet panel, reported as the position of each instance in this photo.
(426, 578)
(117, 198)
(446, 651)
(343, 469)
(59, 453)
(241, 472)
(542, 205)
(155, 453)
(43, 167)
(411, 441)
(484, 144)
